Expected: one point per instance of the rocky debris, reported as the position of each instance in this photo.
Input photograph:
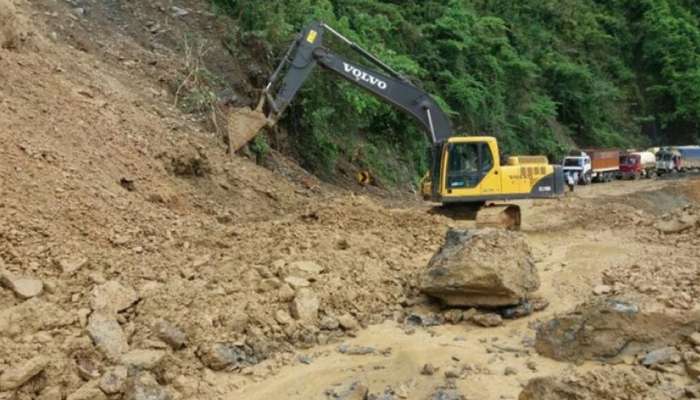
(305, 306)
(694, 338)
(113, 381)
(447, 394)
(25, 288)
(415, 319)
(108, 336)
(601, 384)
(112, 297)
(453, 316)
(143, 359)
(18, 375)
(31, 316)
(329, 323)
(481, 268)
(678, 221)
(88, 368)
(51, 393)
(308, 270)
(71, 265)
(348, 322)
(428, 369)
(89, 391)
(487, 320)
(171, 334)
(356, 350)
(143, 386)
(666, 355)
(218, 356)
(356, 391)
(297, 283)
(600, 290)
(604, 328)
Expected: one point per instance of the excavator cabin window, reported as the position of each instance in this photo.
(467, 164)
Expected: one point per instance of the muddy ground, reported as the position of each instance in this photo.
(137, 259)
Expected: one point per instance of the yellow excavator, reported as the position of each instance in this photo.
(466, 172)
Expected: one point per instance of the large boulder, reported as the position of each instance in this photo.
(600, 384)
(603, 329)
(481, 268)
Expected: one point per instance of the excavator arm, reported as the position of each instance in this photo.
(308, 51)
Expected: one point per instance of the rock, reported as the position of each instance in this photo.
(415, 319)
(357, 391)
(178, 12)
(305, 306)
(447, 394)
(666, 355)
(71, 265)
(693, 391)
(348, 322)
(510, 371)
(428, 369)
(601, 290)
(112, 297)
(329, 323)
(677, 224)
(51, 393)
(605, 328)
(694, 338)
(601, 384)
(143, 359)
(171, 334)
(356, 350)
(88, 368)
(31, 316)
(24, 288)
(483, 267)
(308, 270)
(453, 316)
(108, 336)
(18, 375)
(218, 356)
(283, 318)
(296, 283)
(487, 320)
(113, 381)
(693, 369)
(144, 386)
(89, 391)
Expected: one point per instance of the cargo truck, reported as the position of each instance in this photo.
(690, 157)
(678, 159)
(601, 165)
(668, 160)
(637, 164)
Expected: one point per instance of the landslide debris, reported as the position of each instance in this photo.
(603, 329)
(481, 268)
(601, 384)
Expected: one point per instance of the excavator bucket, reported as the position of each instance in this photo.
(505, 216)
(243, 125)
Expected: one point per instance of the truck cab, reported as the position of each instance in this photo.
(578, 168)
(668, 160)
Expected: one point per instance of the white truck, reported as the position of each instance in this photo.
(602, 165)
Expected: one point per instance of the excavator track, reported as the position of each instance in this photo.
(504, 216)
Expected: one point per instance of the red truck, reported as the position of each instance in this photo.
(638, 164)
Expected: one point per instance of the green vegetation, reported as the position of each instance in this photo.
(541, 75)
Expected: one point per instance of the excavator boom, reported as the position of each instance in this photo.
(305, 54)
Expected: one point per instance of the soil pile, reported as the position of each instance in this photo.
(481, 268)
